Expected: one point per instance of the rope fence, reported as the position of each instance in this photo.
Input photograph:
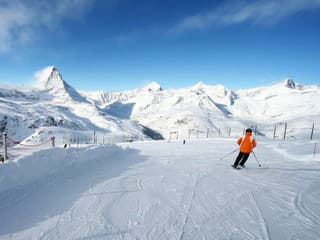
(8, 142)
(52, 140)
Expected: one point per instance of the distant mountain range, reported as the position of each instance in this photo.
(152, 111)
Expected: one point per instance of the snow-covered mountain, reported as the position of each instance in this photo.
(50, 79)
(144, 110)
(284, 101)
(215, 107)
(53, 102)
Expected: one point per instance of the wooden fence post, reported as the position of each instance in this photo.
(285, 131)
(53, 141)
(5, 150)
(274, 131)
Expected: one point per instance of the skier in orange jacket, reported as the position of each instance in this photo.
(247, 143)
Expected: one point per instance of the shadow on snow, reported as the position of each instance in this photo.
(25, 206)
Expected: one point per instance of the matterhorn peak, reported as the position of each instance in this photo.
(153, 86)
(51, 80)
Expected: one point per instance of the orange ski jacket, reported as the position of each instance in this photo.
(247, 143)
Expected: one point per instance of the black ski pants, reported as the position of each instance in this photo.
(242, 158)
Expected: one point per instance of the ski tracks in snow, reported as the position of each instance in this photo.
(54, 230)
(307, 213)
(189, 208)
(261, 220)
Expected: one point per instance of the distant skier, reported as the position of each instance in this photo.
(247, 143)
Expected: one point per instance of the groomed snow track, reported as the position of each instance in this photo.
(160, 190)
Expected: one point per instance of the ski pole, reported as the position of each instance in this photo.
(256, 158)
(228, 154)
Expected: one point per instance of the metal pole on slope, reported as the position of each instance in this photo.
(285, 131)
(312, 129)
(256, 158)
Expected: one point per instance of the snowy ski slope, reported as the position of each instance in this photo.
(162, 190)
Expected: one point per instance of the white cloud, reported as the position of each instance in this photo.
(235, 12)
(19, 19)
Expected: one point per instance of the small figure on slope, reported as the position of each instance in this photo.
(247, 143)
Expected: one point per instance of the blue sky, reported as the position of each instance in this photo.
(123, 44)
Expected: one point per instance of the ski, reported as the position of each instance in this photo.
(238, 168)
